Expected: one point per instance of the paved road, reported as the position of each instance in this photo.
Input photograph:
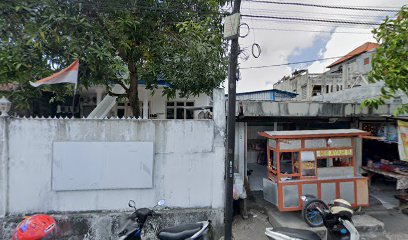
(396, 223)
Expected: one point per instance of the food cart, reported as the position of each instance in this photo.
(314, 162)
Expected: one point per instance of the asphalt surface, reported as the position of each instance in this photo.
(395, 222)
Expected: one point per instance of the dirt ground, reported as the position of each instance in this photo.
(251, 228)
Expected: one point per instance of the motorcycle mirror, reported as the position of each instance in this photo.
(132, 204)
(161, 202)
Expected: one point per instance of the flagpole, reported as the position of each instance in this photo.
(73, 100)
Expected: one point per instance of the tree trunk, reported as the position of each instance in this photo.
(133, 94)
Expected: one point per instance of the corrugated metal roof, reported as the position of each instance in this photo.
(361, 49)
(313, 133)
(270, 90)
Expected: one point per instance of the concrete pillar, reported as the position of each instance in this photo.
(219, 118)
(146, 107)
(358, 161)
(99, 92)
(275, 126)
(4, 158)
(345, 76)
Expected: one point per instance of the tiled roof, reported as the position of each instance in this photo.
(361, 49)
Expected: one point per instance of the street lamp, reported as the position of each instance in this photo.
(5, 106)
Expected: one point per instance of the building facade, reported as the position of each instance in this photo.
(347, 72)
(152, 104)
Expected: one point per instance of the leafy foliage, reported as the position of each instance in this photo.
(390, 62)
(116, 42)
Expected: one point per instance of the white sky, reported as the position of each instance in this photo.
(292, 46)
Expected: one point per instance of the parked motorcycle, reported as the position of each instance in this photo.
(309, 211)
(132, 229)
(336, 219)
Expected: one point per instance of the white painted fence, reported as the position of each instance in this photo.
(188, 162)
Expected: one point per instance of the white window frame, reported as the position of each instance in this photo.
(175, 107)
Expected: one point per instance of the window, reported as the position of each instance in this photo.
(124, 109)
(366, 61)
(327, 88)
(289, 163)
(334, 162)
(273, 163)
(179, 110)
(308, 164)
(397, 100)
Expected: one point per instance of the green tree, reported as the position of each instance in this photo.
(390, 62)
(118, 42)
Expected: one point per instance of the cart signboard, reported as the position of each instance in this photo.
(334, 153)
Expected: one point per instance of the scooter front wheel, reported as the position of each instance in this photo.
(310, 213)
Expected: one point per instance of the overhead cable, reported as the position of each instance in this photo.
(303, 30)
(290, 11)
(294, 63)
(312, 20)
(326, 6)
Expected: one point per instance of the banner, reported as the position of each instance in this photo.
(403, 140)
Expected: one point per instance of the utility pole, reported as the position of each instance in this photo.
(229, 166)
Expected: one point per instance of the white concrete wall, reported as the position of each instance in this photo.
(3, 165)
(188, 162)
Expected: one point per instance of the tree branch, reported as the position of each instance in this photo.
(117, 94)
(121, 84)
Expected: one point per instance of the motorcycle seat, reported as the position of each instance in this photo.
(179, 232)
(297, 233)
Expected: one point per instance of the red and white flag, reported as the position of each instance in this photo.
(66, 75)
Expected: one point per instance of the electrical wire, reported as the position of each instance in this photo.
(172, 9)
(256, 48)
(312, 20)
(248, 30)
(310, 13)
(294, 63)
(326, 6)
(303, 30)
(323, 24)
(145, 8)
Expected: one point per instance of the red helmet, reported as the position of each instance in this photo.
(36, 227)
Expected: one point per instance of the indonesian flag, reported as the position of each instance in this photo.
(67, 75)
